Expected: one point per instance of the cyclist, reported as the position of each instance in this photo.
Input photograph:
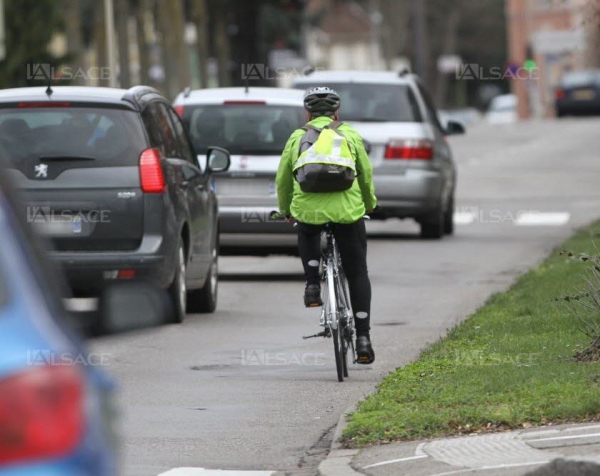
(343, 209)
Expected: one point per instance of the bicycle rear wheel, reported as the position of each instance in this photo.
(336, 332)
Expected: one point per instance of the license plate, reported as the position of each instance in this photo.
(54, 228)
(584, 94)
(246, 187)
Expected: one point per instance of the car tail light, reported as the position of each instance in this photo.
(560, 94)
(126, 274)
(409, 149)
(179, 110)
(41, 413)
(243, 103)
(44, 104)
(151, 173)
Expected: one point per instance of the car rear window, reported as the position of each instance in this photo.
(367, 102)
(111, 137)
(250, 129)
(581, 78)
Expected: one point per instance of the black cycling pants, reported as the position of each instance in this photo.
(352, 244)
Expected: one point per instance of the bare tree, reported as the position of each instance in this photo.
(450, 47)
(222, 47)
(73, 12)
(143, 12)
(99, 40)
(172, 27)
(200, 17)
(122, 14)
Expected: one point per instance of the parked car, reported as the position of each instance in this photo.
(413, 167)
(56, 409)
(578, 93)
(254, 125)
(503, 110)
(113, 179)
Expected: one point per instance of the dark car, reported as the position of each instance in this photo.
(113, 179)
(578, 93)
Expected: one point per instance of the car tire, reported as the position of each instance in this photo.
(449, 218)
(177, 290)
(204, 300)
(432, 227)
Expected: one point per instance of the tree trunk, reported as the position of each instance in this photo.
(200, 16)
(144, 10)
(74, 37)
(172, 27)
(122, 13)
(450, 47)
(100, 41)
(222, 47)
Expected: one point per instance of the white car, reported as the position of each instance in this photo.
(254, 126)
(503, 110)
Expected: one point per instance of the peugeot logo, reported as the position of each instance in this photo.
(41, 171)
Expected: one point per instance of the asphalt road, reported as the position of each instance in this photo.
(240, 389)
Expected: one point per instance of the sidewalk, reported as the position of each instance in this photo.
(546, 451)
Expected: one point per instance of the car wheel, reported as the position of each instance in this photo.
(177, 290)
(449, 217)
(204, 300)
(432, 227)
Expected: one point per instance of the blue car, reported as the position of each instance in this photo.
(55, 399)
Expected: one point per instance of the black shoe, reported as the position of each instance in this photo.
(364, 350)
(312, 296)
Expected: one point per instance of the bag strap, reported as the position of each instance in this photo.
(334, 125)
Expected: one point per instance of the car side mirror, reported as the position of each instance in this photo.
(367, 145)
(131, 305)
(454, 128)
(218, 159)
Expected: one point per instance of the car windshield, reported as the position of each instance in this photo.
(99, 136)
(3, 288)
(252, 129)
(375, 102)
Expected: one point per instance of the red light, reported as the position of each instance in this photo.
(179, 110)
(243, 103)
(560, 94)
(126, 274)
(409, 149)
(41, 413)
(44, 104)
(151, 174)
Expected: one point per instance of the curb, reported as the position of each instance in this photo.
(338, 460)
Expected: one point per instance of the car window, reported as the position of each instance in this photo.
(150, 118)
(430, 107)
(3, 269)
(367, 102)
(111, 137)
(581, 78)
(253, 129)
(167, 132)
(187, 151)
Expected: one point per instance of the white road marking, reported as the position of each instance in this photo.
(485, 468)
(464, 218)
(213, 472)
(543, 219)
(572, 437)
(392, 461)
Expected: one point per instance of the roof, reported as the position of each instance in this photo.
(280, 96)
(346, 18)
(127, 97)
(368, 77)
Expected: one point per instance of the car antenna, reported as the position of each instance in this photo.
(186, 92)
(49, 88)
(247, 85)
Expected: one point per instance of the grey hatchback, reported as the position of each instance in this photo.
(113, 180)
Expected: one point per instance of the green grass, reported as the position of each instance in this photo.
(509, 365)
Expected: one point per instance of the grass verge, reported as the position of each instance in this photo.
(509, 365)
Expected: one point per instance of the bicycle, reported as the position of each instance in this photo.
(336, 313)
